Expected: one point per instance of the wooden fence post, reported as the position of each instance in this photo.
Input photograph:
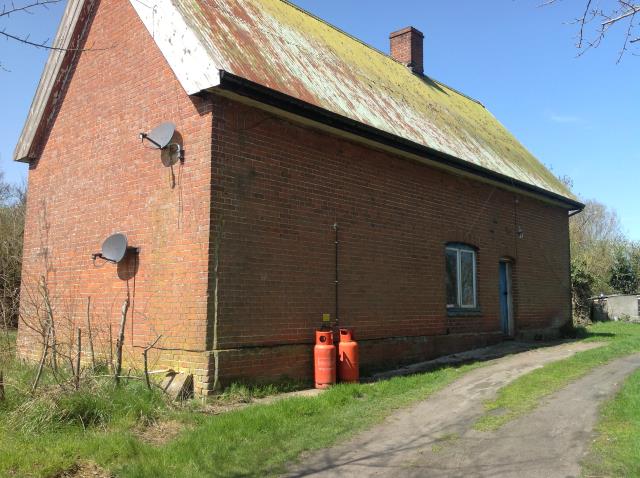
(90, 334)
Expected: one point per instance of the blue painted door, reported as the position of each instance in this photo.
(504, 298)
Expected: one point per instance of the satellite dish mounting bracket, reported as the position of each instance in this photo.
(144, 136)
(99, 255)
(114, 249)
(160, 137)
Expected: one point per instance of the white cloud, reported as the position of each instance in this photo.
(557, 118)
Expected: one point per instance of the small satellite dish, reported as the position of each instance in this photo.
(114, 248)
(161, 135)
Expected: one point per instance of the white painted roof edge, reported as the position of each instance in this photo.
(179, 45)
(186, 55)
(48, 79)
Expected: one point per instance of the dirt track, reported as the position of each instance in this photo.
(434, 438)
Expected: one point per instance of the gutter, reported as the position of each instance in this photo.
(576, 211)
(241, 86)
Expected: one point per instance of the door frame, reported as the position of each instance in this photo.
(511, 326)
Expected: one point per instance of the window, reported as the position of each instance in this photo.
(461, 277)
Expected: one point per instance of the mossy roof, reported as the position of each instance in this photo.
(280, 46)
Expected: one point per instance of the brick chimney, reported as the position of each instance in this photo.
(406, 47)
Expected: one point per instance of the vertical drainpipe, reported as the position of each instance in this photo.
(215, 327)
(337, 242)
(569, 215)
(216, 276)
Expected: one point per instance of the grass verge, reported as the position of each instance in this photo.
(259, 440)
(525, 393)
(102, 425)
(616, 451)
(55, 430)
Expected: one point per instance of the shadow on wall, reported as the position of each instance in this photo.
(128, 267)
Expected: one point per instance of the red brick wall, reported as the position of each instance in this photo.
(258, 196)
(279, 188)
(94, 178)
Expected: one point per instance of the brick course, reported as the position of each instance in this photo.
(237, 260)
(278, 189)
(94, 178)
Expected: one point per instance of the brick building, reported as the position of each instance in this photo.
(450, 233)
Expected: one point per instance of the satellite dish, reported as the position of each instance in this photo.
(161, 135)
(114, 247)
(164, 137)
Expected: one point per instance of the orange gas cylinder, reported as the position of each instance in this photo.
(348, 361)
(324, 359)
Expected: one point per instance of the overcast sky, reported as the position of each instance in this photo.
(579, 116)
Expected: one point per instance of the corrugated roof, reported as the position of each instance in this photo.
(280, 46)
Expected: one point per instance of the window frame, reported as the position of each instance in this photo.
(459, 249)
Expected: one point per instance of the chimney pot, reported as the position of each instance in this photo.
(407, 48)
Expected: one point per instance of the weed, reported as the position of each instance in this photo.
(245, 393)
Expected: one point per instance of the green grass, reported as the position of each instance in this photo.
(258, 441)
(616, 451)
(42, 435)
(525, 393)
(239, 392)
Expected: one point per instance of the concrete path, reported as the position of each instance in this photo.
(435, 438)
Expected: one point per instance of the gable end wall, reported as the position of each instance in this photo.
(94, 178)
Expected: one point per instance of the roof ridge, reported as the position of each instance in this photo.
(371, 47)
(455, 90)
(331, 25)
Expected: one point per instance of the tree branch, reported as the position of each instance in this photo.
(633, 9)
(605, 14)
(25, 8)
(43, 45)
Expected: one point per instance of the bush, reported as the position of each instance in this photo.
(623, 277)
(581, 291)
(12, 212)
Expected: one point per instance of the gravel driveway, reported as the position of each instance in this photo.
(434, 438)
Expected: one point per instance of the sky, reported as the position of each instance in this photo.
(578, 115)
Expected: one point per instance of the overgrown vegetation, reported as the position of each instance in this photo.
(616, 451)
(581, 291)
(12, 212)
(624, 276)
(603, 259)
(43, 434)
(525, 393)
(57, 404)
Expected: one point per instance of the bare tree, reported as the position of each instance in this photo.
(598, 18)
(11, 8)
(596, 233)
